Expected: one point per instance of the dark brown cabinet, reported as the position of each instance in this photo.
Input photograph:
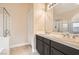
(55, 52)
(47, 47)
(39, 46)
(42, 47)
(67, 50)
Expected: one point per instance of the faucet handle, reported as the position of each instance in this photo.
(74, 36)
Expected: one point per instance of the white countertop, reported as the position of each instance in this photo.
(64, 40)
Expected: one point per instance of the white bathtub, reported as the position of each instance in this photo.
(4, 45)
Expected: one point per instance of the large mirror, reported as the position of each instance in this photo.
(65, 18)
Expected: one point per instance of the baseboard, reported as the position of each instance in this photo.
(18, 45)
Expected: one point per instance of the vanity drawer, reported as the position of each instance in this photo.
(64, 49)
(55, 52)
(47, 41)
(39, 37)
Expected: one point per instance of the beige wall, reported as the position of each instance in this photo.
(18, 22)
(39, 18)
(42, 19)
(49, 20)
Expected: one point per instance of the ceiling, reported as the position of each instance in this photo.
(64, 7)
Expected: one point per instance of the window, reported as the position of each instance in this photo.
(75, 24)
(65, 27)
(75, 27)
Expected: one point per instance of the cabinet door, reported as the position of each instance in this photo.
(67, 50)
(55, 52)
(46, 49)
(46, 41)
(39, 46)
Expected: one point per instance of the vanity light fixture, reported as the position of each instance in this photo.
(50, 5)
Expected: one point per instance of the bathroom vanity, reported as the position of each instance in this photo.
(56, 45)
(65, 37)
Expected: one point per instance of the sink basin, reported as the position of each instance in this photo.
(59, 36)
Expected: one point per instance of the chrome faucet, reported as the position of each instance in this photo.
(74, 36)
(66, 35)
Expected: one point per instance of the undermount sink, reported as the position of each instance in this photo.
(68, 39)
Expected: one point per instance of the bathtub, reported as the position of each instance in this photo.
(4, 45)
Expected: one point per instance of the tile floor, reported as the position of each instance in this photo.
(23, 50)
